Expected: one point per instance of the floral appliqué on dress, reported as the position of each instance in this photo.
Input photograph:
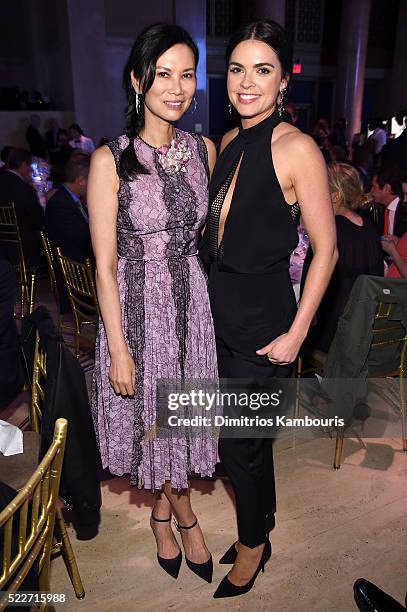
(174, 157)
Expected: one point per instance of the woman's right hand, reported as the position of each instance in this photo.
(122, 373)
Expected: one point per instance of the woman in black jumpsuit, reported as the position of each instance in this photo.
(252, 299)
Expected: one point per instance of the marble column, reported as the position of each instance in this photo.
(191, 15)
(271, 9)
(352, 63)
(88, 43)
(398, 88)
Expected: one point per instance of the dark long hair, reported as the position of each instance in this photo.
(147, 48)
(271, 33)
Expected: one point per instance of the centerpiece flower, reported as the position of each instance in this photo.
(174, 157)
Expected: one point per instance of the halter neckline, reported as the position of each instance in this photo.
(261, 128)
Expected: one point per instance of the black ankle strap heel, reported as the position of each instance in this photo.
(171, 566)
(203, 570)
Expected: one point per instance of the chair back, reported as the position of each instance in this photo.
(32, 515)
(10, 238)
(387, 355)
(371, 337)
(11, 244)
(80, 285)
(49, 256)
(38, 385)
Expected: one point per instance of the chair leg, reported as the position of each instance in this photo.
(22, 301)
(403, 410)
(298, 372)
(338, 449)
(32, 293)
(77, 351)
(69, 556)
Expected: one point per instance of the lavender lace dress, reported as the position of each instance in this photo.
(165, 316)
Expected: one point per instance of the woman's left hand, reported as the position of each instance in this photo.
(283, 350)
(389, 246)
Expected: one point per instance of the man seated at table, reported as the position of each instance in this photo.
(15, 187)
(387, 191)
(12, 374)
(66, 219)
(397, 247)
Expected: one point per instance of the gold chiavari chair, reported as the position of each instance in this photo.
(387, 334)
(387, 358)
(49, 256)
(80, 285)
(19, 471)
(33, 511)
(10, 240)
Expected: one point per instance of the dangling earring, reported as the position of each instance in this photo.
(195, 105)
(138, 103)
(280, 105)
(229, 108)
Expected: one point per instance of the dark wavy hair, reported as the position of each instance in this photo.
(271, 33)
(147, 48)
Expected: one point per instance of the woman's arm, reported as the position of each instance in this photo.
(103, 186)
(390, 247)
(309, 180)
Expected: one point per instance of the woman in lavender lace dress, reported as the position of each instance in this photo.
(147, 202)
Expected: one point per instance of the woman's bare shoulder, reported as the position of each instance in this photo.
(294, 141)
(228, 137)
(102, 156)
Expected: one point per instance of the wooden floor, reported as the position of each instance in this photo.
(332, 527)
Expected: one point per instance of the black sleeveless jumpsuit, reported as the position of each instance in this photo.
(252, 302)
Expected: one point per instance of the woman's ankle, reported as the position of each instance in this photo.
(187, 521)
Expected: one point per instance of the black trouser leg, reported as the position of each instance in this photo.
(248, 461)
(249, 465)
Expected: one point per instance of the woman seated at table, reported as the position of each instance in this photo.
(359, 248)
(397, 249)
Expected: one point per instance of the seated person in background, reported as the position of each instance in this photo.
(359, 248)
(51, 134)
(59, 157)
(79, 140)
(15, 187)
(66, 219)
(397, 249)
(11, 365)
(395, 151)
(4, 155)
(362, 160)
(36, 142)
(378, 138)
(387, 191)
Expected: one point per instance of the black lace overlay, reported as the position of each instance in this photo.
(134, 313)
(124, 193)
(203, 153)
(131, 246)
(181, 204)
